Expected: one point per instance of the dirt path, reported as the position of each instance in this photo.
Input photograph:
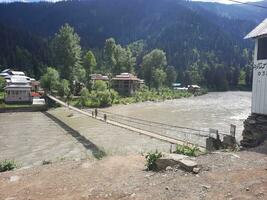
(241, 175)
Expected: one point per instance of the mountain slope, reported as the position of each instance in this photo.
(188, 34)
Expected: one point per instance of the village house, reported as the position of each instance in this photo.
(19, 87)
(126, 83)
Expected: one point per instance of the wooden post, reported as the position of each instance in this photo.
(232, 130)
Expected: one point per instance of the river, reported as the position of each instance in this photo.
(216, 110)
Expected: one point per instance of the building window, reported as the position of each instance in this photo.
(262, 49)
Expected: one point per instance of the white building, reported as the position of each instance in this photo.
(18, 87)
(259, 86)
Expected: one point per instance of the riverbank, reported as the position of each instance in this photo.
(224, 175)
(107, 98)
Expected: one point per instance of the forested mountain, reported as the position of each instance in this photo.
(200, 39)
(22, 50)
(235, 11)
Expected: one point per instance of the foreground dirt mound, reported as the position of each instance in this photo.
(241, 175)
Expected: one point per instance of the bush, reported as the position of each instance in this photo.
(187, 150)
(2, 84)
(7, 165)
(64, 88)
(151, 159)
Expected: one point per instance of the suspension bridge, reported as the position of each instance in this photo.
(172, 134)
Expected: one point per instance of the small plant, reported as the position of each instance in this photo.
(187, 150)
(151, 159)
(7, 165)
(47, 162)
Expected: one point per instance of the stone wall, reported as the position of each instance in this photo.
(255, 130)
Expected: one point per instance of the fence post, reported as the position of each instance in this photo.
(232, 130)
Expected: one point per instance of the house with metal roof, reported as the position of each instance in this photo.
(18, 87)
(126, 83)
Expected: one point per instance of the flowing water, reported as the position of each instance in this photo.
(216, 110)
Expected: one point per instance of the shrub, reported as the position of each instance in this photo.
(2, 84)
(7, 165)
(187, 150)
(151, 159)
(64, 88)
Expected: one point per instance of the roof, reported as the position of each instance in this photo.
(17, 73)
(260, 30)
(99, 77)
(193, 86)
(19, 79)
(18, 86)
(6, 70)
(126, 76)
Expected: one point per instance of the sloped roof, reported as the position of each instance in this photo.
(260, 30)
(19, 79)
(126, 76)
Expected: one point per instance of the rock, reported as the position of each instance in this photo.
(255, 131)
(169, 168)
(166, 188)
(169, 160)
(251, 121)
(196, 170)
(229, 141)
(14, 178)
(206, 187)
(188, 165)
(247, 189)
(10, 198)
(133, 195)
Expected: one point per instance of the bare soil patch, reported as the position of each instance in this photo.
(224, 175)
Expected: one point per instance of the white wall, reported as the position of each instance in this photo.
(259, 87)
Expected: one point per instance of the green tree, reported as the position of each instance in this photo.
(50, 80)
(158, 78)
(171, 75)
(124, 61)
(2, 84)
(109, 51)
(67, 53)
(99, 85)
(156, 59)
(89, 63)
(64, 88)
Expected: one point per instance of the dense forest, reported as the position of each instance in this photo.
(195, 42)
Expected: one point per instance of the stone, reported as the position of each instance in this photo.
(169, 168)
(133, 195)
(229, 141)
(213, 144)
(14, 178)
(196, 170)
(206, 186)
(169, 160)
(188, 165)
(247, 189)
(254, 133)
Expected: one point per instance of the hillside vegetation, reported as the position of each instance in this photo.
(204, 46)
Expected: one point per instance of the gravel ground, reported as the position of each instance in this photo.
(224, 175)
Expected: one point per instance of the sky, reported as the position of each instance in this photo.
(219, 1)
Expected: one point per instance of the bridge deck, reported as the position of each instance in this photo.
(137, 130)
